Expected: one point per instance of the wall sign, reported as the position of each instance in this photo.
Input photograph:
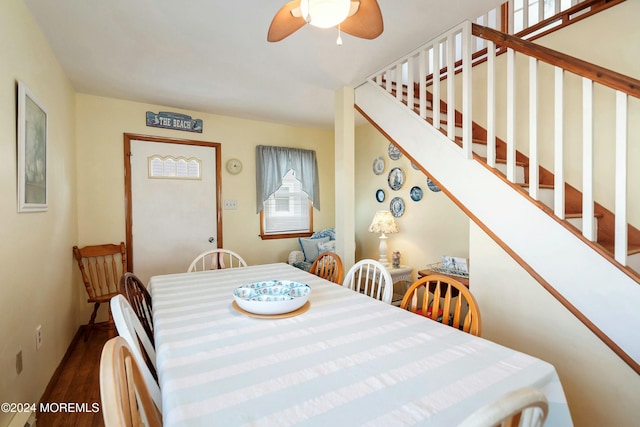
(174, 121)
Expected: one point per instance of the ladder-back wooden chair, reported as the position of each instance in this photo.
(101, 267)
(370, 278)
(444, 300)
(216, 259)
(143, 351)
(126, 401)
(328, 265)
(136, 293)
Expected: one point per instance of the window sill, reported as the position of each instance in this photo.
(285, 235)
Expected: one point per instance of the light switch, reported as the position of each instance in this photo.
(230, 204)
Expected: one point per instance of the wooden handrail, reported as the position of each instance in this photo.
(566, 17)
(601, 75)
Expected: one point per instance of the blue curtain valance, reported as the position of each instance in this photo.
(272, 163)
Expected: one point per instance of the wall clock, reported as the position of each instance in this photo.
(234, 166)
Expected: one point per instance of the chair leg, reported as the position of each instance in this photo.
(92, 321)
(111, 325)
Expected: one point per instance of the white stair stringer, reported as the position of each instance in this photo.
(562, 259)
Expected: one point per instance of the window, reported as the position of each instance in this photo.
(288, 210)
(286, 191)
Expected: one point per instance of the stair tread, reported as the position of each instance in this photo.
(473, 140)
(544, 186)
(442, 122)
(632, 248)
(579, 215)
(504, 161)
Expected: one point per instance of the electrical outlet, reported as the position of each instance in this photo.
(231, 204)
(38, 337)
(19, 362)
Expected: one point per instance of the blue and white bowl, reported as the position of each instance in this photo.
(272, 296)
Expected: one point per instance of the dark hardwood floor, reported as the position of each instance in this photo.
(76, 381)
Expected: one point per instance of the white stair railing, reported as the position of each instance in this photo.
(431, 67)
(436, 60)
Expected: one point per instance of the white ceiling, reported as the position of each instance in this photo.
(212, 55)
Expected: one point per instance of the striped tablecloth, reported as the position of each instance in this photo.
(348, 361)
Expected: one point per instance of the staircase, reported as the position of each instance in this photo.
(575, 247)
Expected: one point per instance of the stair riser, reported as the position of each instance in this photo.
(577, 222)
(502, 167)
(633, 261)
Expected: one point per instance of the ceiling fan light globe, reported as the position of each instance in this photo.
(325, 13)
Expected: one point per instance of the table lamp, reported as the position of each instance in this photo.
(383, 223)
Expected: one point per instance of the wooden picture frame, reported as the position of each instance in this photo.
(32, 152)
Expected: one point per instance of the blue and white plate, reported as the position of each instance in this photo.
(396, 178)
(397, 207)
(272, 296)
(394, 153)
(416, 193)
(378, 165)
(380, 195)
(433, 187)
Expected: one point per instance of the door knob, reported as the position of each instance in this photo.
(211, 240)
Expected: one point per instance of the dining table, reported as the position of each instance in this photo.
(346, 360)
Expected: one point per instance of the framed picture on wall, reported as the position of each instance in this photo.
(32, 152)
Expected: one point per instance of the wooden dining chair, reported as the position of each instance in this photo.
(101, 267)
(524, 407)
(328, 265)
(136, 293)
(370, 277)
(126, 401)
(443, 299)
(216, 259)
(130, 328)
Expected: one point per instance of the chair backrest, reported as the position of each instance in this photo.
(136, 293)
(216, 259)
(444, 299)
(371, 278)
(101, 267)
(130, 328)
(328, 265)
(125, 398)
(525, 407)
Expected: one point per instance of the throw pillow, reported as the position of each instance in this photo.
(310, 247)
(329, 246)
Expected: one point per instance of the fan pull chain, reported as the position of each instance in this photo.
(308, 17)
(339, 41)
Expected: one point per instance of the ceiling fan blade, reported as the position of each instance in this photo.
(284, 23)
(367, 21)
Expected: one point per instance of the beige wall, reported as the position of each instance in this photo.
(101, 123)
(430, 228)
(37, 286)
(517, 312)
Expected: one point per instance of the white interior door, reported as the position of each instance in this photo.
(173, 203)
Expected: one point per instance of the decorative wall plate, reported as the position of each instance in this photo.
(394, 153)
(396, 178)
(378, 165)
(416, 193)
(397, 207)
(380, 195)
(432, 186)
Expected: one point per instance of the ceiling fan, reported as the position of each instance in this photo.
(360, 18)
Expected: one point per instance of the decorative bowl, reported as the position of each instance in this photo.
(272, 296)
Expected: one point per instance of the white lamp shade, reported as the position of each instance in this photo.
(325, 13)
(383, 222)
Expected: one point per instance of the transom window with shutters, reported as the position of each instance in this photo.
(287, 191)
